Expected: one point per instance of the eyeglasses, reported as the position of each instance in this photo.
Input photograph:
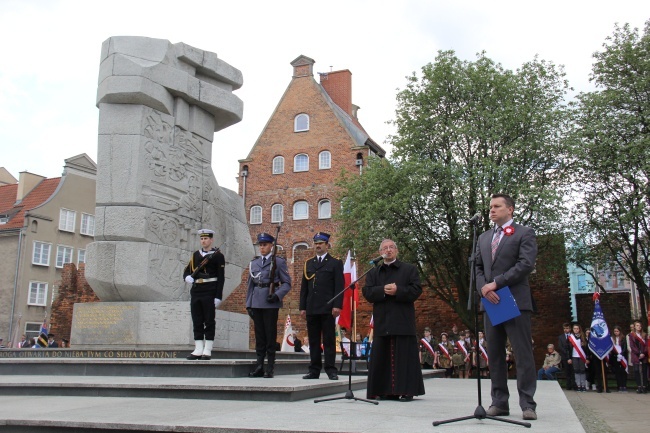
(388, 247)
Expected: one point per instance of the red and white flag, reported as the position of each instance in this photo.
(287, 341)
(349, 275)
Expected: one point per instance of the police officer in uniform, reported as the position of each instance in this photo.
(206, 293)
(262, 306)
(322, 279)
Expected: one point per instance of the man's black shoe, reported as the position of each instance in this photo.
(258, 372)
(269, 374)
(310, 376)
(389, 397)
(333, 376)
(193, 357)
(406, 398)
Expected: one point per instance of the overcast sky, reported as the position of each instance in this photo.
(49, 59)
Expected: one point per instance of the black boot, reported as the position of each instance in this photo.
(269, 371)
(258, 372)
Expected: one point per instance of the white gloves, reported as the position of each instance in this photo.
(619, 357)
(217, 302)
(189, 279)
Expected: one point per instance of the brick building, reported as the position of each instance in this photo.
(312, 136)
(290, 173)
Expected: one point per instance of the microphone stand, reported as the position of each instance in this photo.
(349, 395)
(479, 412)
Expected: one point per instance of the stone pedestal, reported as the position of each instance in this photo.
(130, 324)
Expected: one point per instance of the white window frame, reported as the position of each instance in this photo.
(275, 211)
(255, 213)
(64, 255)
(32, 330)
(43, 256)
(4, 219)
(39, 291)
(87, 224)
(297, 120)
(67, 220)
(325, 160)
(278, 165)
(301, 216)
(321, 212)
(81, 257)
(295, 163)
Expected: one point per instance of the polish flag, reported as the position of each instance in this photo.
(349, 275)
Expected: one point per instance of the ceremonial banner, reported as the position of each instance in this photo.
(287, 341)
(600, 342)
(42, 337)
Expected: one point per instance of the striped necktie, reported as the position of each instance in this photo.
(495, 241)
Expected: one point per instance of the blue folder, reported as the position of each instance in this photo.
(505, 310)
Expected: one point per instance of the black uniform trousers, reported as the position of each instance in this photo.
(202, 309)
(318, 324)
(265, 321)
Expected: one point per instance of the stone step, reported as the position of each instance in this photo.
(281, 388)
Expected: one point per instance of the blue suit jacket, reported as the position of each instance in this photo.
(513, 262)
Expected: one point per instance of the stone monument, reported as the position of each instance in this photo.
(159, 106)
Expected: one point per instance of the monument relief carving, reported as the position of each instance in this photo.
(159, 106)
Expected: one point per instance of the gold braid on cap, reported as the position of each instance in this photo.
(305, 272)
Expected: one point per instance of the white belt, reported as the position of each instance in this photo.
(205, 280)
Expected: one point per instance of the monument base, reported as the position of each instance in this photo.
(150, 323)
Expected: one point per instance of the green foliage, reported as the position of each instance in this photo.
(612, 143)
(465, 130)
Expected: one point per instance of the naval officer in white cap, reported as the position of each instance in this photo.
(206, 293)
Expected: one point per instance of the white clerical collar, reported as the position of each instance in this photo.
(389, 263)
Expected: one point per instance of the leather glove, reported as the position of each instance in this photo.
(189, 279)
(250, 312)
(272, 298)
(217, 302)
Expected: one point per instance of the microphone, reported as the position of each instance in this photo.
(475, 219)
(377, 260)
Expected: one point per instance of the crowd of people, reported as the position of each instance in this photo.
(582, 369)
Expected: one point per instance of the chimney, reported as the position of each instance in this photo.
(338, 85)
(26, 182)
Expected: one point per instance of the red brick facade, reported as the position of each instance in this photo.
(73, 289)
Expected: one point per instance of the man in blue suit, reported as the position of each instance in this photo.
(505, 257)
(263, 306)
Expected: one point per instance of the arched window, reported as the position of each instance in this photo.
(256, 215)
(298, 247)
(300, 210)
(278, 165)
(277, 213)
(324, 209)
(324, 160)
(301, 162)
(301, 123)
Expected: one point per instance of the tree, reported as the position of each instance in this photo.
(464, 130)
(612, 143)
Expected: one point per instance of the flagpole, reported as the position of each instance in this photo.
(602, 370)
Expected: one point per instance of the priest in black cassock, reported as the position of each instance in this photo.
(394, 372)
